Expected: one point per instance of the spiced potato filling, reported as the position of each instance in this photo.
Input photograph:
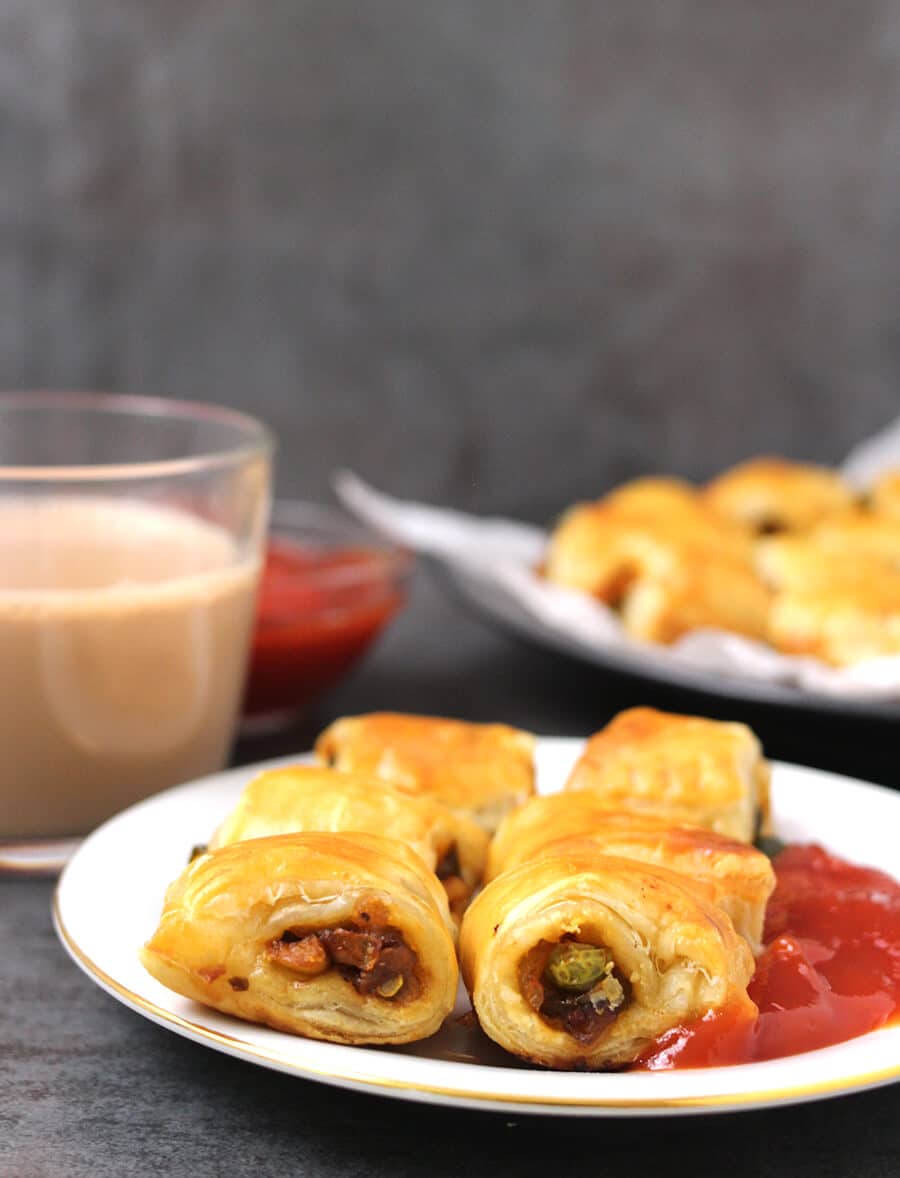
(375, 959)
(573, 985)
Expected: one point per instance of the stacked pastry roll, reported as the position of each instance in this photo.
(313, 798)
(326, 904)
(628, 904)
(479, 770)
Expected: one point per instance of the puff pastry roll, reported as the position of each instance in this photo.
(849, 615)
(547, 818)
(641, 530)
(339, 937)
(860, 535)
(798, 561)
(672, 509)
(740, 879)
(702, 772)
(656, 497)
(665, 576)
(580, 960)
(308, 797)
(479, 770)
(599, 551)
(697, 591)
(773, 495)
(885, 494)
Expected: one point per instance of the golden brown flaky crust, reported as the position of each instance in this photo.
(676, 951)
(310, 797)
(672, 559)
(836, 588)
(855, 545)
(771, 493)
(705, 772)
(639, 530)
(548, 817)
(653, 550)
(885, 494)
(842, 619)
(479, 770)
(739, 877)
(697, 591)
(227, 907)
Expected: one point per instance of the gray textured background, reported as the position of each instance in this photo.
(491, 252)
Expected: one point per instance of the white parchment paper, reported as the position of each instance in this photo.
(498, 557)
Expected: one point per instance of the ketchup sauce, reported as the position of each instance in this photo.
(830, 969)
(317, 612)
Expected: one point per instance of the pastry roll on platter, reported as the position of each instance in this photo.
(740, 879)
(800, 562)
(698, 589)
(656, 497)
(479, 770)
(773, 495)
(854, 546)
(702, 772)
(598, 551)
(340, 937)
(549, 817)
(309, 797)
(861, 535)
(885, 494)
(653, 551)
(641, 531)
(843, 618)
(580, 960)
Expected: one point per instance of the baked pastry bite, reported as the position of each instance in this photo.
(698, 590)
(846, 617)
(861, 535)
(670, 509)
(478, 770)
(339, 937)
(665, 577)
(580, 960)
(640, 530)
(594, 550)
(773, 495)
(656, 497)
(740, 878)
(884, 496)
(797, 560)
(309, 797)
(546, 818)
(703, 772)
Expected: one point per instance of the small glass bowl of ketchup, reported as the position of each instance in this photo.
(329, 586)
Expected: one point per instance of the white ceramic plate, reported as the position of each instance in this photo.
(110, 895)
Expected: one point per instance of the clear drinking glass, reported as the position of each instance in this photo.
(131, 536)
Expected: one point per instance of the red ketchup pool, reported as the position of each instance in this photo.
(830, 969)
(318, 609)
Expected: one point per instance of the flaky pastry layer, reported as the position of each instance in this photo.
(479, 770)
(310, 797)
(739, 877)
(673, 955)
(287, 930)
(710, 772)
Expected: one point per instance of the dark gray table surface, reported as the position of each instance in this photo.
(89, 1089)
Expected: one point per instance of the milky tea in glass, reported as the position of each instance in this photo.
(130, 541)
